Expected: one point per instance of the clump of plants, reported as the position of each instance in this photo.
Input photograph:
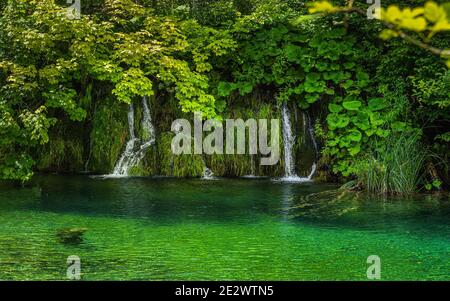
(396, 166)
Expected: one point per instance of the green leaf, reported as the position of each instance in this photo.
(382, 133)
(437, 183)
(225, 88)
(334, 108)
(375, 119)
(337, 121)
(376, 104)
(361, 120)
(370, 132)
(398, 126)
(355, 135)
(363, 79)
(312, 98)
(245, 88)
(354, 150)
(352, 105)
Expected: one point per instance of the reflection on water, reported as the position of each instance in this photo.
(246, 229)
(357, 209)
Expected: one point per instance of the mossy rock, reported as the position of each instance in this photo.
(71, 235)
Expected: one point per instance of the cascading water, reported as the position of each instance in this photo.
(123, 163)
(147, 125)
(208, 174)
(289, 141)
(135, 147)
(252, 174)
(316, 148)
(252, 166)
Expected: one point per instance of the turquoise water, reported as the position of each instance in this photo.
(171, 229)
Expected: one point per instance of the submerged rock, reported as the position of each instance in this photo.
(71, 235)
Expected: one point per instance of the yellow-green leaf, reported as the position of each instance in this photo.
(392, 14)
(321, 7)
(434, 12)
(416, 24)
(387, 34)
(441, 25)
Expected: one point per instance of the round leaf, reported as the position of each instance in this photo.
(353, 105)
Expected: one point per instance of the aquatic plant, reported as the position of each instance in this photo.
(396, 167)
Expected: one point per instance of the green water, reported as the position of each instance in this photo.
(168, 229)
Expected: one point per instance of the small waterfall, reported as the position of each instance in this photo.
(208, 174)
(252, 169)
(135, 147)
(289, 142)
(123, 164)
(316, 147)
(147, 125)
(304, 127)
(252, 165)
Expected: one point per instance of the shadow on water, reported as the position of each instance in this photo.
(156, 198)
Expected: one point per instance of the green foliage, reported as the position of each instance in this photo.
(219, 57)
(177, 165)
(427, 21)
(309, 63)
(435, 184)
(45, 58)
(431, 18)
(109, 133)
(395, 167)
(62, 155)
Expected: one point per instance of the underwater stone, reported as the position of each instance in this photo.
(71, 235)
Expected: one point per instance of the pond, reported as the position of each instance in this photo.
(224, 229)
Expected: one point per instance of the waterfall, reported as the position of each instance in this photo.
(123, 164)
(316, 147)
(304, 127)
(135, 147)
(147, 125)
(289, 142)
(252, 174)
(252, 165)
(207, 174)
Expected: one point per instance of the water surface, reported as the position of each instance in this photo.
(245, 229)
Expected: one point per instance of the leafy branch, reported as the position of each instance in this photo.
(426, 21)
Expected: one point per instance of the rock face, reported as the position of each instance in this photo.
(71, 235)
(136, 141)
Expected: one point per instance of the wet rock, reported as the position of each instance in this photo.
(71, 235)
